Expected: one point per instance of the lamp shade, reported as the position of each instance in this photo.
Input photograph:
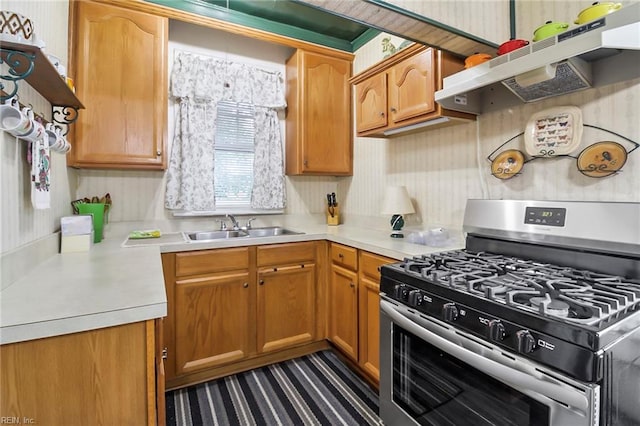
(396, 201)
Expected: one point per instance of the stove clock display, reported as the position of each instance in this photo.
(545, 216)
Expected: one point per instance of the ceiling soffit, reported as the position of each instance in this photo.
(283, 17)
(403, 23)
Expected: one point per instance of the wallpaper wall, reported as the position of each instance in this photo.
(487, 19)
(19, 222)
(441, 168)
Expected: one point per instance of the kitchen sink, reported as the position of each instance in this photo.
(269, 231)
(214, 235)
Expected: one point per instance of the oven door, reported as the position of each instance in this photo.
(433, 374)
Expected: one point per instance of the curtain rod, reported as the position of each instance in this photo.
(204, 55)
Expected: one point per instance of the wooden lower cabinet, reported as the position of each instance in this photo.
(286, 306)
(98, 377)
(355, 306)
(369, 312)
(214, 320)
(343, 323)
(228, 309)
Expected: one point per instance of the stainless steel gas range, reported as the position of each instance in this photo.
(535, 322)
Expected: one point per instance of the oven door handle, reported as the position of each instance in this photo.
(506, 374)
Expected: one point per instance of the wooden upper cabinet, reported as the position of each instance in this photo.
(412, 87)
(400, 91)
(319, 140)
(371, 103)
(120, 70)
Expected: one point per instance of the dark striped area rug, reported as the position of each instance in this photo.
(316, 389)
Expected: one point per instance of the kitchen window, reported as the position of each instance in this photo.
(234, 154)
(227, 153)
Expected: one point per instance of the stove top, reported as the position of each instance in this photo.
(544, 289)
(558, 315)
(557, 282)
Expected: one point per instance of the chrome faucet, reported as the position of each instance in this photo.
(236, 226)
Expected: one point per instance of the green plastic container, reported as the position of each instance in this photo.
(97, 211)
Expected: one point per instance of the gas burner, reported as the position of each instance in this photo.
(549, 290)
(549, 306)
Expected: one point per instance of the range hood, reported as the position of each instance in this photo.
(597, 53)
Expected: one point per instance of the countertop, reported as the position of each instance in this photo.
(118, 282)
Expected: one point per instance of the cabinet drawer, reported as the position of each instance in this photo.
(210, 261)
(370, 264)
(344, 256)
(283, 254)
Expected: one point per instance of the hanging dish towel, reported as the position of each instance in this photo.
(40, 175)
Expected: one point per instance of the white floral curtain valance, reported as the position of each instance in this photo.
(198, 83)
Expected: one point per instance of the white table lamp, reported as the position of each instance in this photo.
(397, 202)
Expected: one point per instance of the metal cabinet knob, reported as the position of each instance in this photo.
(382, 114)
(261, 282)
(158, 153)
(245, 285)
(352, 285)
(393, 109)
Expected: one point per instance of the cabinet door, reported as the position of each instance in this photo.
(371, 103)
(96, 377)
(121, 77)
(286, 307)
(343, 323)
(319, 118)
(369, 312)
(214, 320)
(412, 87)
(369, 324)
(160, 402)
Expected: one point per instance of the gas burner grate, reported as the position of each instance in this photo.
(575, 295)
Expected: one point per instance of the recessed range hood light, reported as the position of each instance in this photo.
(602, 51)
(551, 80)
(417, 126)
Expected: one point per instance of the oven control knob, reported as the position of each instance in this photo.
(401, 291)
(497, 331)
(415, 298)
(526, 342)
(450, 311)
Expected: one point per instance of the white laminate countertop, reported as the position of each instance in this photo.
(116, 283)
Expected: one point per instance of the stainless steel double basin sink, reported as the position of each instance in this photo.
(270, 231)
